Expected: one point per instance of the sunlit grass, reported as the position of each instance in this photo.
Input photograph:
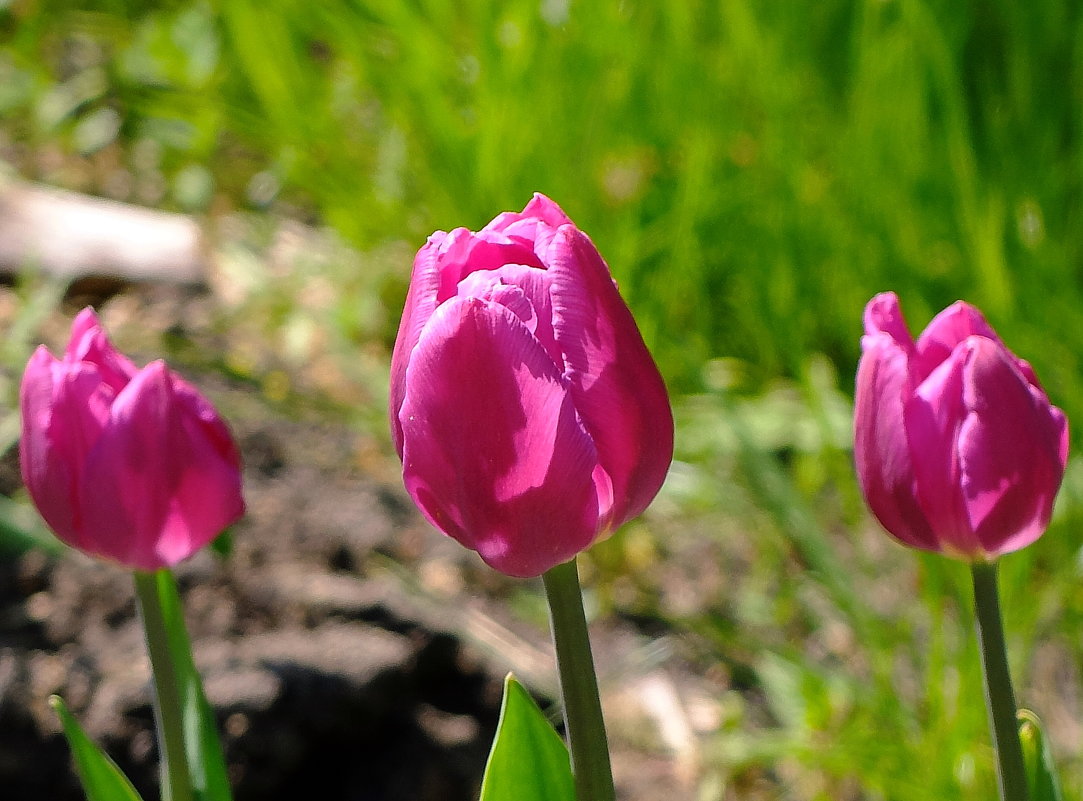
(753, 172)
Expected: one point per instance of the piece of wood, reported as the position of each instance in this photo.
(76, 236)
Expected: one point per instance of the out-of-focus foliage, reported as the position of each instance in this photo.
(753, 172)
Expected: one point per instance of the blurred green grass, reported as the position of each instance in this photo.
(753, 172)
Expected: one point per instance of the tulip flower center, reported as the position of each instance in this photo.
(485, 285)
(525, 292)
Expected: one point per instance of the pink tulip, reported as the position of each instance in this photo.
(957, 447)
(131, 465)
(529, 415)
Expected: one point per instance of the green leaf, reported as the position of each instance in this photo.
(529, 761)
(1041, 773)
(101, 778)
(206, 765)
(222, 545)
(21, 529)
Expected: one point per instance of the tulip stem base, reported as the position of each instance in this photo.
(168, 706)
(583, 721)
(999, 697)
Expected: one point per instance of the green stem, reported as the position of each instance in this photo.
(168, 709)
(999, 698)
(583, 721)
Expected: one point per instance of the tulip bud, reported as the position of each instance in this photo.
(528, 413)
(957, 447)
(131, 465)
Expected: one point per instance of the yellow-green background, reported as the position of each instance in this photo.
(753, 172)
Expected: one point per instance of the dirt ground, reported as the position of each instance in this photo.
(346, 647)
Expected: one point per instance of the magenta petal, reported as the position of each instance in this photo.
(531, 287)
(35, 402)
(133, 475)
(89, 343)
(608, 364)
(134, 466)
(952, 326)
(957, 447)
(46, 467)
(421, 302)
(494, 454)
(444, 261)
(65, 406)
(465, 252)
(544, 208)
(208, 496)
(881, 453)
(540, 208)
(949, 328)
(883, 315)
(511, 297)
(164, 478)
(535, 226)
(522, 224)
(512, 282)
(1010, 451)
(933, 416)
(130, 474)
(85, 322)
(1059, 424)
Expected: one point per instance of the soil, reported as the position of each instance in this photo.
(350, 651)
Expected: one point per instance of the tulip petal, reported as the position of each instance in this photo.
(947, 330)
(511, 286)
(493, 452)
(207, 497)
(884, 315)
(540, 209)
(1010, 451)
(89, 343)
(444, 261)
(465, 252)
(47, 475)
(1060, 433)
(130, 474)
(141, 488)
(64, 407)
(421, 302)
(971, 465)
(933, 416)
(608, 364)
(881, 452)
(535, 226)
